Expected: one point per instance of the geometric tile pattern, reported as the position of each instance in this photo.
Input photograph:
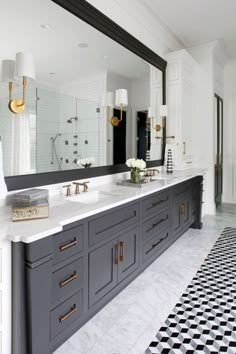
(204, 319)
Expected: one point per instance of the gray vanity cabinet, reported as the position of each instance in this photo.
(111, 263)
(182, 215)
(61, 281)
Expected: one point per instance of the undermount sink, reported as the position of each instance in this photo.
(91, 197)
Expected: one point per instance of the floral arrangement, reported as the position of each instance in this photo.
(87, 162)
(136, 165)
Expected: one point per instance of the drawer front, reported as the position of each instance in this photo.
(153, 248)
(154, 225)
(67, 280)
(68, 243)
(181, 189)
(111, 223)
(155, 203)
(65, 314)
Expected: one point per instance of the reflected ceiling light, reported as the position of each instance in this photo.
(45, 26)
(20, 69)
(83, 45)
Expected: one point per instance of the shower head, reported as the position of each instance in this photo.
(72, 118)
(55, 137)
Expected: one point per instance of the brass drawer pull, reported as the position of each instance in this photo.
(68, 245)
(157, 243)
(122, 245)
(68, 280)
(116, 254)
(157, 223)
(182, 209)
(158, 203)
(68, 314)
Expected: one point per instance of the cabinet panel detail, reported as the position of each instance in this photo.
(102, 271)
(67, 280)
(68, 243)
(65, 314)
(128, 254)
(155, 203)
(155, 224)
(111, 223)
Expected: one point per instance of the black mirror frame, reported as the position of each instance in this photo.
(88, 13)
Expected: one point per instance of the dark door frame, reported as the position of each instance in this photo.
(219, 150)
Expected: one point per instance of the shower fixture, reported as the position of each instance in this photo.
(55, 137)
(72, 118)
(54, 151)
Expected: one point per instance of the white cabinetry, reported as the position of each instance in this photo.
(5, 297)
(181, 101)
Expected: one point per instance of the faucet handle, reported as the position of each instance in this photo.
(68, 193)
(77, 184)
(85, 184)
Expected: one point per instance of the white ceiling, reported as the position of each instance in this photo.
(199, 21)
(56, 49)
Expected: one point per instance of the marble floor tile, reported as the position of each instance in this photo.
(129, 322)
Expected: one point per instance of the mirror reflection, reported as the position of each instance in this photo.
(70, 97)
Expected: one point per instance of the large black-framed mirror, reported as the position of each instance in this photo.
(142, 62)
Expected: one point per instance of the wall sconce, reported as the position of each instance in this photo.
(108, 103)
(120, 101)
(22, 68)
(151, 116)
(163, 115)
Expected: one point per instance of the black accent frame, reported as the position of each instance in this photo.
(88, 13)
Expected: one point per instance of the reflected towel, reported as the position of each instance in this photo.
(3, 187)
(21, 144)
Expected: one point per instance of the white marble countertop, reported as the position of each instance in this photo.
(65, 210)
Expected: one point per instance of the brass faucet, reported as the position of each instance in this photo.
(83, 184)
(68, 193)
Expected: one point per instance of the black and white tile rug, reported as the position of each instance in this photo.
(204, 319)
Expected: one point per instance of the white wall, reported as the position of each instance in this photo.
(229, 155)
(210, 81)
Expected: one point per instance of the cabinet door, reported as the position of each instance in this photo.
(102, 271)
(177, 219)
(128, 253)
(186, 211)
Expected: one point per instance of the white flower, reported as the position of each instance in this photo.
(136, 163)
(129, 162)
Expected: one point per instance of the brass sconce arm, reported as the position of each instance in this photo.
(17, 105)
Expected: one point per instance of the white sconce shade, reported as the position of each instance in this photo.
(24, 66)
(8, 71)
(151, 112)
(108, 99)
(121, 97)
(163, 111)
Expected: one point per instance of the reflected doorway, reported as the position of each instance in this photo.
(143, 136)
(119, 139)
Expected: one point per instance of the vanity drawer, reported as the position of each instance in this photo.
(65, 314)
(154, 247)
(67, 280)
(155, 224)
(111, 223)
(181, 189)
(155, 203)
(68, 243)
